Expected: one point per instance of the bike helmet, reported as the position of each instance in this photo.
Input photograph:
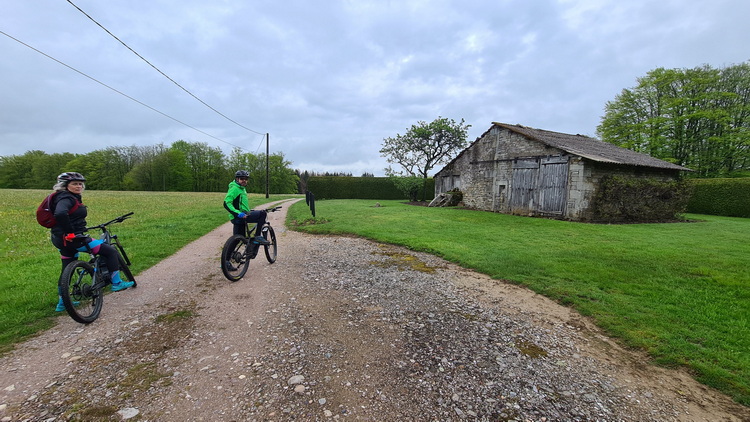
(242, 173)
(70, 176)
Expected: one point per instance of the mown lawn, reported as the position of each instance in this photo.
(680, 291)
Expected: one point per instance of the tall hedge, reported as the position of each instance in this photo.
(728, 197)
(343, 187)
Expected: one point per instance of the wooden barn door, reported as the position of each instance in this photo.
(539, 186)
(553, 185)
(523, 185)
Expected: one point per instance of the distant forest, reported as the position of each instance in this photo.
(181, 167)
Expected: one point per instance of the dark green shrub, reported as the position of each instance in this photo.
(409, 186)
(621, 199)
(456, 197)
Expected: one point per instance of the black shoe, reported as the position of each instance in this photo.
(229, 266)
(261, 240)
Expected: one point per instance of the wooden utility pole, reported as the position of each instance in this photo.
(267, 161)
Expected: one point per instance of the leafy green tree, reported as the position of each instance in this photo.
(424, 146)
(206, 165)
(698, 118)
(161, 169)
(281, 178)
(254, 164)
(91, 167)
(46, 168)
(33, 170)
(117, 162)
(103, 168)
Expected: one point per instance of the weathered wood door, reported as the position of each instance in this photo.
(523, 184)
(539, 186)
(553, 184)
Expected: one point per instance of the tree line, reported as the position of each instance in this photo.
(698, 118)
(181, 166)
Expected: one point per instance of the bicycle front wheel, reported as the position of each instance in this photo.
(82, 296)
(234, 257)
(125, 273)
(271, 249)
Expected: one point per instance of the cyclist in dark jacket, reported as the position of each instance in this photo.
(239, 212)
(67, 234)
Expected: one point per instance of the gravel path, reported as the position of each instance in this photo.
(339, 328)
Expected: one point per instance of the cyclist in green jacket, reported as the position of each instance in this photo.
(239, 212)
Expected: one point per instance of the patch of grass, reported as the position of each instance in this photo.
(175, 316)
(144, 375)
(403, 261)
(97, 412)
(163, 223)
(531, 350)
(680, 291)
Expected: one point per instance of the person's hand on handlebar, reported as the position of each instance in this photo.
(241, 215)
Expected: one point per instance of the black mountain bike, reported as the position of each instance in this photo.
(82, 283)
(240, 249)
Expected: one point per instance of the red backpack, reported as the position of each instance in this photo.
(45, 215)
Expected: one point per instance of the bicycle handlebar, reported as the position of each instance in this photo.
(274, 209)
(119, 219)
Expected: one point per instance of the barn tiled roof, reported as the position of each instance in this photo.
(591, 148)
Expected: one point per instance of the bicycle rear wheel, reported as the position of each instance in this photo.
(234, 257)
(82, 298)
(271, 250)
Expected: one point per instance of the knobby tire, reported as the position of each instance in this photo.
(82, 301)
(234, 257)
(125, 273)
(272, 249)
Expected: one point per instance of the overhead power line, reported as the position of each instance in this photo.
(158, 70)
(119, 92)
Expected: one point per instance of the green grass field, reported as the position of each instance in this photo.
(680, 291)
(162, 224)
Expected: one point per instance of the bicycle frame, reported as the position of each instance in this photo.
(108, 238)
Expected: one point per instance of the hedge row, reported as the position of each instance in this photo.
(343, 187)
(728, 197)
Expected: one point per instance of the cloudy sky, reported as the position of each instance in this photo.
(330, 79)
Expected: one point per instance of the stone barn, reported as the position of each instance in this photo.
(515, 169)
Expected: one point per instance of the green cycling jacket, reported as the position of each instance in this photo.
(236, 200)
